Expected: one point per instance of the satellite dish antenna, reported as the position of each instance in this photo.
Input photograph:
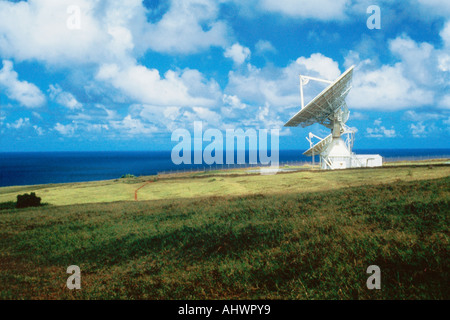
(330, 110)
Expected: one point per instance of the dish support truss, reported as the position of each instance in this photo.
(333, 151)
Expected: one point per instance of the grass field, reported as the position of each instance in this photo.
(284, 241)
(226, 183)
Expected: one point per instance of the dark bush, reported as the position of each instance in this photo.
(28, 200)
(7, 205)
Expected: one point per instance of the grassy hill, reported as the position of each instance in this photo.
(226, 183)
(279, 239)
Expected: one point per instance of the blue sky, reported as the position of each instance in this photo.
(123, 75)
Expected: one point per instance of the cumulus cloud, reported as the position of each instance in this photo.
(380, 132)
(418, 79)
(114, 37)
(39, 130)
(177, 88)
(445, 34)
(132, 126)
(96, 127)
(358, 116)
(109, 31)
(319, 9)
(444, 103)
(66, 130)
(279, 86)
(263, 46)
(386, 89)
(38, 29)
(419, 59)
(418, 130)
(424, 122)
(27, 94)
(436, 7)
(64, 98)
(234, 102)
(237, 53)
(182, 28)
(19, 123)
(167, 118)
(325, 67)
(412, 115)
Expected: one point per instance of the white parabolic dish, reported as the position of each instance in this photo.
(330, 110)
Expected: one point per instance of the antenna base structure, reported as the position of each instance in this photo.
(330, 110)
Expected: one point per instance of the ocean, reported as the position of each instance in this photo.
(28, 168)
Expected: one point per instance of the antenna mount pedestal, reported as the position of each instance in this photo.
(330, 110)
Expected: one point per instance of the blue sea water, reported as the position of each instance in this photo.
(58, 167)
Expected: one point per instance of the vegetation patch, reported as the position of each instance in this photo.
(262, 246)
(28, 200)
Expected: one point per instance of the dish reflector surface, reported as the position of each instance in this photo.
(322, 108)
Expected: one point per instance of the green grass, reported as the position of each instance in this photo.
(284, 245)
(233, 182)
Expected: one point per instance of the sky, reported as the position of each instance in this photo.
(95, 75)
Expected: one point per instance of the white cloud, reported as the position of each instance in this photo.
(444, 103)
(176, 88)
(445, 34)
(207, 115)
(37, 29)
(263, 46)
(39, 130)
(237, 53)
(189, 26)
(233, 108)
(96, 127)
(263, 113)
(418, 130)
(132, 126)
(110, 114)
(380, 131)
(64, 98)
(358, 116)
(27, 94)
(234, 102)
(318, 9)
(386, 89)
(279, 86)
(163, 118)
(411, 115)
(417, 58)
(437, 7)
(324, 66)
(418, 79)
(110, 31)
(19, 123)
(66, 130)
(79, 126)
(36, 115)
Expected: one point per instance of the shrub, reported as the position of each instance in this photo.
(28, 200)
(128, 176)
(7, 205)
